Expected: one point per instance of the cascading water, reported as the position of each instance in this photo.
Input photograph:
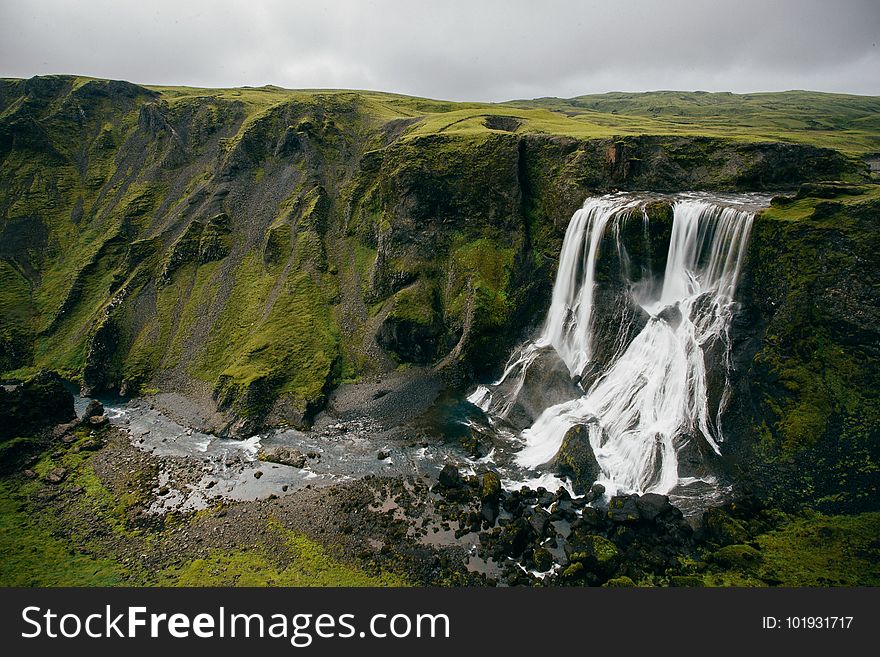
(650, 398)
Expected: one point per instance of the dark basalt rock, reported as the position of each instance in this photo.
(539, 521)
(93, 409)
(547, 382)
(624, 508)
(450, 477)
(652, 505)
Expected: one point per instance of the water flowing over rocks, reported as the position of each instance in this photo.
(642, 328)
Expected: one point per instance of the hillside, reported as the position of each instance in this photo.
(252, 248)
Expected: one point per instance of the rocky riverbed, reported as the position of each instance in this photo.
(169, 504)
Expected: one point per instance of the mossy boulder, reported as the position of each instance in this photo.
(624, 509)
(737, 557)
(723, 528)
(576, 459)
(619, 582)
(598, 555)
(490, 490)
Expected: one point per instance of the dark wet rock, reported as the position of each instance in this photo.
(449, 477)
(509, 540)
(39, 402)
(671, 315)
(623, 508)
(489, 511)
(576, 459)
(284, 455)
(56, 475)
(652, 505)
(547, 382)
(539, 522)
(93, 409)
(542, 559)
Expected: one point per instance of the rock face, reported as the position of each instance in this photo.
(39, 402)
(576, 459)
(806, 352)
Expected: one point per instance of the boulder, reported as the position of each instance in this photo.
(598, 555)
(97, 421)
(542, 560)
(741, 557)
(449, 477)
(284, 455)
(93, 409)
(56, 475)
(489, 512)
(576, 459)
(539, 522)
(546, 382)
(652, 505)
(623, 508)
(514, 538)
(619, 582)
(491, 487)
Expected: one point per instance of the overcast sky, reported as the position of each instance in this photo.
(459, 50)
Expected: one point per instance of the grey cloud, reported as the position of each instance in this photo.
(460, 50)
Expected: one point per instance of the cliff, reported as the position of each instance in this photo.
(252, 248)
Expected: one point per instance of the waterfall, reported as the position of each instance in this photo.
(650, 397)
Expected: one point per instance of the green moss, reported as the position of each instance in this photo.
(417, 304)
(814, 372)
(288, 348)
(16, 318)
(299, 562)
(619, 582)
(31, 554)
(808, 550)
(741, 557)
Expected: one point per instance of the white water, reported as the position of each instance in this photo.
(652, 398)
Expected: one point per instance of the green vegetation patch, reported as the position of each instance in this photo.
(299, 562)
(811, 550)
